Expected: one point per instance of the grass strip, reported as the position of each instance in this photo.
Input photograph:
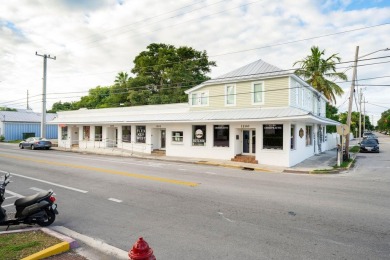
(16, 246)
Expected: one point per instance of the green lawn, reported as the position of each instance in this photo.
(16, 246)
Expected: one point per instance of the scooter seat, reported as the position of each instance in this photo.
(29, 200)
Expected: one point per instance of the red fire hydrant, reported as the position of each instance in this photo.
(141, 251)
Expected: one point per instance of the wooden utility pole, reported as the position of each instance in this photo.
(351, 101)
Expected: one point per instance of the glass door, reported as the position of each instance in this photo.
(249, 141)
(163, 139)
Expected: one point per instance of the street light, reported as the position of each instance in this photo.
(351, 94)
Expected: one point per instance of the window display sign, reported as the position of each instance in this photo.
(221, 135)
(141, 134)
(273, 137)
(199, 135)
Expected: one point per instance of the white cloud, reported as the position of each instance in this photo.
(94, 40)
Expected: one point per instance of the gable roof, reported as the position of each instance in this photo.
(255, 70)
(27, 116)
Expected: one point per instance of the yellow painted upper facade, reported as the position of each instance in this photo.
(273, 92)
(256, 85)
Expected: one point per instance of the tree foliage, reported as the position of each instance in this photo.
(161, 75)
(331, 112)
(384, 121)
(355, 122)
(320, 72)
(7, 109)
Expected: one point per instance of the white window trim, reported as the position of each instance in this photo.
(253, 93)
(199, 97)
(234, 95)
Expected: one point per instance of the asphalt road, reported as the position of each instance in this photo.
(188, 211)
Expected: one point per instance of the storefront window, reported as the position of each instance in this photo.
(98, 133)
(177, 136)
(199, 135)
(273, 137)
(141, 134)
(64, 133)
(126, 133)
(86, 131)
(221, 135)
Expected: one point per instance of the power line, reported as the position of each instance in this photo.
(197, 82)
(377, 105)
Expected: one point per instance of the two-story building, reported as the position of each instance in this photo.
(260, 112)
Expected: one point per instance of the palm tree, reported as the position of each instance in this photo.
(319, 73)
(121, 79)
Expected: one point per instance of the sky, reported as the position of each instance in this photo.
(94, 40)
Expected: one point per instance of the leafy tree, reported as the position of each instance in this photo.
(384, 121)
(165, 68)
(7, 109)
(331, 112)
(355, 122)
(320, 73)
(162, 74)
(59, 106)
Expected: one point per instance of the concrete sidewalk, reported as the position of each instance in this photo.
(323, 161)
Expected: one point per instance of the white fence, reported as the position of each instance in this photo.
(334, 139)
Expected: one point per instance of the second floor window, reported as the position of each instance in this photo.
(230, 95)
(200, 99)
(194, 99)
(257, 90)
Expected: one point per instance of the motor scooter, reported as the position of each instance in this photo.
(35, 209)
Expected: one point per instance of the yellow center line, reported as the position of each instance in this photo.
(95, 169)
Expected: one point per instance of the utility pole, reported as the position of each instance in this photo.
(360, 113)
(43, 121)
(351, 100)
(28, 107)
(364, 115)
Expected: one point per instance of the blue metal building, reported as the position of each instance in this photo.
(18, 125)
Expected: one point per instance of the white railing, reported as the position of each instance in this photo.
(109, 144)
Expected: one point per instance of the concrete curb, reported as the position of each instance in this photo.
(66, 244)
(53, 250)
(249, 167)
(98, 245)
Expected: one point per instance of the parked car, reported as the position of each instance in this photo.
(371, 137)
(369, 145)
(35, 143)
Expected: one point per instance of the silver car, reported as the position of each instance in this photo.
(35, 143)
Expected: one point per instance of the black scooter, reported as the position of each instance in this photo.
(35, 209)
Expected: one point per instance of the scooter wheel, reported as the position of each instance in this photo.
(50, 219)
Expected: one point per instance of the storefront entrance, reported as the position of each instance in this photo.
(249, 141)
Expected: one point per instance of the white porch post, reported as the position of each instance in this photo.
(315, 138)
(120, 134)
